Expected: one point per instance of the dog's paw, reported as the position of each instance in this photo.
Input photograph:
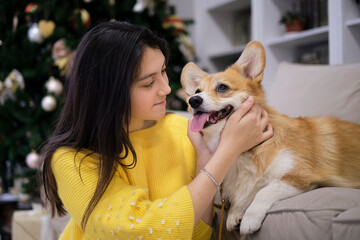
(250, 223)
(232, 222)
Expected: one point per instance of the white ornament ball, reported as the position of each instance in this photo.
(34, 34)
(48, 103)
(33, 160)
(54, 85)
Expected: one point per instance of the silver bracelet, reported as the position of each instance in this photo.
(212, 178)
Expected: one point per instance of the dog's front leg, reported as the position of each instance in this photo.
(234, 215)
(264, 199)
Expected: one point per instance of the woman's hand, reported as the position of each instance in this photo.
(246, 127)
(202, 150)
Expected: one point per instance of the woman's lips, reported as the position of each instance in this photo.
(161, 103)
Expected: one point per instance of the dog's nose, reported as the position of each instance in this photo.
(195, 101)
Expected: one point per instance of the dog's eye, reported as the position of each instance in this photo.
(222, 88)
(197, 91)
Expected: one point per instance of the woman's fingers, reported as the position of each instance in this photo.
(244, 108)
(268, 132)
(264, 119)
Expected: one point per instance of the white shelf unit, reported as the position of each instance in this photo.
(217, 39)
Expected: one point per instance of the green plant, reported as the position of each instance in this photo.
(290, 16)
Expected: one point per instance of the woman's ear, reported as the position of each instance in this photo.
(252, 61)
(190, 78)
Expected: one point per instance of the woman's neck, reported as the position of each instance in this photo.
(142, 125)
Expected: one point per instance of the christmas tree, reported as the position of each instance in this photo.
(37, 41)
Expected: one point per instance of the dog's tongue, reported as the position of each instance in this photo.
(198, 122)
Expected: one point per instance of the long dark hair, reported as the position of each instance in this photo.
(97, 109)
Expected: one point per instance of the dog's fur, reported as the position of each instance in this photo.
(304, 153)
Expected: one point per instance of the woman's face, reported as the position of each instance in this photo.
(149, 90)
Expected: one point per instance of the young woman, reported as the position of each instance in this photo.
(121, 166)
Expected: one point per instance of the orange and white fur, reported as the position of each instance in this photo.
(304, 153)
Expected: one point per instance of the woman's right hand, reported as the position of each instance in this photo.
(246, 127)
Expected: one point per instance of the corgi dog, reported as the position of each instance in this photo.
(302, 154)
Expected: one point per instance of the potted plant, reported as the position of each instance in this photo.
(293, 21)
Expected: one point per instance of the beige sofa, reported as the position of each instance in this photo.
(324, 213)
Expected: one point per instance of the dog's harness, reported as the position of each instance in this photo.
(222, 211)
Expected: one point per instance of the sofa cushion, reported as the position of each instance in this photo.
(324, 213)
(347, 225)
(317, 90)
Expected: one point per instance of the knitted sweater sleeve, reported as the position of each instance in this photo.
(124, 210)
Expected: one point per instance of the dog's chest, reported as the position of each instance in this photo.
(212, 135)
(241, 177)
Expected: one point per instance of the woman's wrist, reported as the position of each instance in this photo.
(220, 163)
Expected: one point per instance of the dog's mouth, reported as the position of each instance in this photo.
(204, 119)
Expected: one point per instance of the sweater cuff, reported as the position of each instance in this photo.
(202, 231)
(183, 206)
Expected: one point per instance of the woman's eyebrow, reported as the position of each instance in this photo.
(146, 76)
(150, 74)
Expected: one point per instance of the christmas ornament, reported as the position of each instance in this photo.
(186, 47)
(34, 34)
(33, 160)
(85, 18)
(63, 63)
(14, 81)
(2, 95)
(31, 11)
(31, 8)
(59, 49)
(46, 28)
(174, 22)
(48, 103)
(5, 94)
(62, 55)
(54, 85)
(141, 5)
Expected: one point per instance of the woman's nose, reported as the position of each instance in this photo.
(165, 88)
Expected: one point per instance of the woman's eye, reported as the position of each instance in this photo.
(149, 84)
(164, 70)
(222, 88)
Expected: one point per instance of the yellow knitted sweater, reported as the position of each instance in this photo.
(150, 201)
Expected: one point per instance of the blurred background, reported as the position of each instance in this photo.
(37, 42)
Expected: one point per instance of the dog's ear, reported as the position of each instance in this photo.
(190, 78)
(252, 61)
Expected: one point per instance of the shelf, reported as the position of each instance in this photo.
(221, 32)
(235, 51)
(305, 37)
(228, 5)
(353, 22)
